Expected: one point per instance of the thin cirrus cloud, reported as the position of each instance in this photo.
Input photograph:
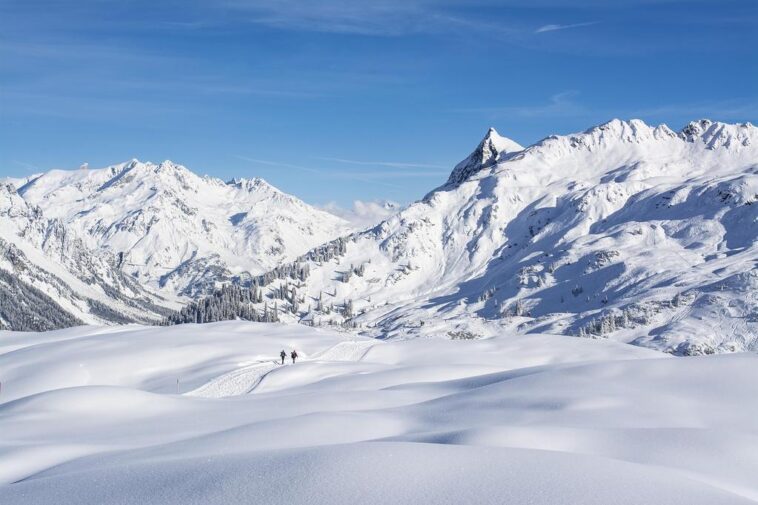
(561, 104)
(384, 174)
(279, 164)
(376, 18)
(391, 164)
(337, 16)
(554, 27)
(723, 110)
(29, 167)
(565, 105)
(359, 175)
(374, 177)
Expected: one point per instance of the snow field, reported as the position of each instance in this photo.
(535, 419)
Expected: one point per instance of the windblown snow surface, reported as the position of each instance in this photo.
(202, 414)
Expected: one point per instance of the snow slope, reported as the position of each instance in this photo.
(625, 231)
(178, 232)
(49, 278)
(91, 415)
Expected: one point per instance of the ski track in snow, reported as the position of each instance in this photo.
(345, 351)
(244, 380)
(237, 382)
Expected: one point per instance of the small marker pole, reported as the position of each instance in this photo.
(177, 385)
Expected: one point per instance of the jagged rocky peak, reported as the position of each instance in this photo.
(616, 132)
(489, 151)
(253, 184)
(716, 134)
(7, 188)
(11, 203)
(175, 169)
(132, 163)
(633, 130)
(713, 134)
(120, 168)
(166, 167)
(146, 168)
(165, 177)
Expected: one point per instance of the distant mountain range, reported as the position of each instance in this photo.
(179, 233)
(626, 231)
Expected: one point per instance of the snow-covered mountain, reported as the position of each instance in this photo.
(489, 152)
(177, 232)
(49, 278)
(625, 231)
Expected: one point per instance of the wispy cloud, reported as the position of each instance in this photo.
(375, 18)
(54, 51)
(553, 28)
(27, 166)
(364, 214)
(363, 177)
(279, 164)
(185, 25)
(336, 16)
(151, 71)
(384, 174)
(90, 108)
(561, 104)
(724, 110)
(565, 105)
(391, 164)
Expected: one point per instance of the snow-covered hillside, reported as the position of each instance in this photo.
(91, 416)
(177, 232)
(625, 231)
(50, 279)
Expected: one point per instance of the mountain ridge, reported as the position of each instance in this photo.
(178, 232)
(624, 231)
(50, 278)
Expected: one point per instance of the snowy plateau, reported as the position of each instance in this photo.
(473, 347)
(203, 414)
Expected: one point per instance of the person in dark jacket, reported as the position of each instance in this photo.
(282, 355)
(293, 355)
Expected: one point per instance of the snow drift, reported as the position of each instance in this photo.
(92, 415)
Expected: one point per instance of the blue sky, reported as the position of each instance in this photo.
(337, 100)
